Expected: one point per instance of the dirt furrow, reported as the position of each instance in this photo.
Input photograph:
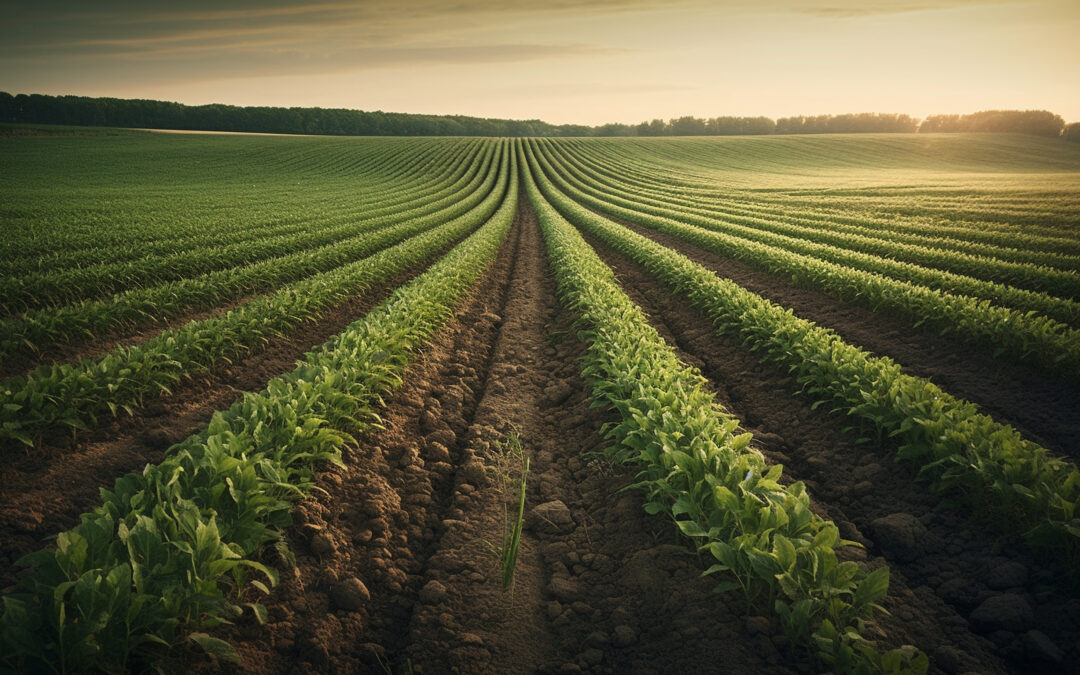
(970, 597)
(363, 548)
(1041, 408)
(599, 586)
(43, 491)
(393, 575)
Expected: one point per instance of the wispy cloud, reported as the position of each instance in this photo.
(840, 9)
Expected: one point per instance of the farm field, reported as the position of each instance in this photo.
(789, 404)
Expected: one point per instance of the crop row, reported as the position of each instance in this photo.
(885, 263)
(76, 395)
(431, 169)
(41, 329)
(696, 468)
(174, 549)
(84, 215)
(1025, 337)
(73, 284)
(947, 440)
(975, 259)
(832, 205)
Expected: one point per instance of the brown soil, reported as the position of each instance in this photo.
(416, 517)
(43, 491)
(1040, 407)
(955, 562)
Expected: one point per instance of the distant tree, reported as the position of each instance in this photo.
(1071, 132)
(653, 128)
(1035, 122)
(615, 129)
(851, 123)
(687, 126)
(732, 126)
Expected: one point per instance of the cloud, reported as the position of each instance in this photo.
(69, 30)
(838, 9)
(199, 63)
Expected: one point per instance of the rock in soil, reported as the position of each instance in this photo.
(553, 516)
(351, 594)
(900, 534)
(1008, 612)
(1039, 647)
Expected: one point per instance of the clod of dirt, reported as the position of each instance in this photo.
(438, 452)
(592, 657)
(473, 473)
(443, 435)
(758, 624)
(564, 589)
(1006, 574)
(555, 394)
(1009, 612)
(959, 591)
(433, 592)
(429, 419)
(322, 545)
(771, 441)
(351, 595)
(624, 636)
(950, 659)
(900, 534)
(155, 409)
(553, 516)
(1039, 647)
(157, 439)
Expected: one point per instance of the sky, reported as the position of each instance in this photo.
(556, 60)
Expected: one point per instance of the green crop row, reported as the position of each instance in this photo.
(76, 395)
(1026, 337)
(635, 177)
(41, 329)
(995, 263)
(953, 446)
(1060, 309)
(695, 467)
(173, 549)
(130, 197)
(51, 288)
(432, 168)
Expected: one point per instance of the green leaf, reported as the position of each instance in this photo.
(873, 588)
(784, 551)
(260, 612)
(690, 528)
(218, 648)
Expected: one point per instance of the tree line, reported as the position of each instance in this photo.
(141, 113)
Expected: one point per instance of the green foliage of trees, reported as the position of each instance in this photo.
(1035, 122)
(847, 124)
(139, 113)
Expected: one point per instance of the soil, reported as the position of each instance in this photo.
(396, 561)
(945, 562)
(1042, 408)
(44, 491)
